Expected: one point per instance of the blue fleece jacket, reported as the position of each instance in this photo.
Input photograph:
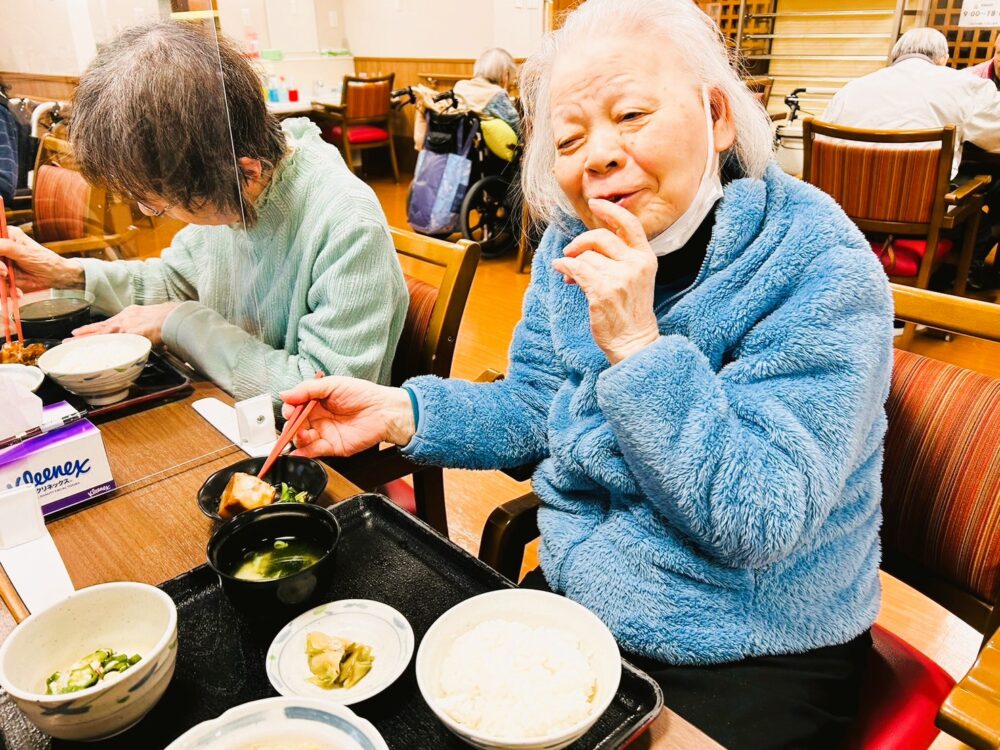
(716, 495)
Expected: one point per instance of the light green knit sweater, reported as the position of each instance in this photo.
(314, 285)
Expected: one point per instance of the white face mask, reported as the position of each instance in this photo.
(677, 234)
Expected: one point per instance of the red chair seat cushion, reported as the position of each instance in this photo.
(901, 696)
(905, 260)
(358, 134)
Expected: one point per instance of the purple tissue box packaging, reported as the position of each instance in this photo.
(68, 466)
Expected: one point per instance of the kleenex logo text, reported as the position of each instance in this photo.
(70, 469)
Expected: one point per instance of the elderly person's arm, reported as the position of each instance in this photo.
(982, 126)
(749, 459)
(355, 315)
(355, 305)
(501, 424)
(169, 278)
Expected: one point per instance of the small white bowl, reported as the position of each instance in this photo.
(534, 608)
(99, 368)
(284, 722)
(133, 618)
(27, 375)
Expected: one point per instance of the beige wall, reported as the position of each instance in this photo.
(442, 28)
(53, 37)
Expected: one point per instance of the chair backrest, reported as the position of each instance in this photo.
(760, 88)
(62, 207)
(941, 476)
(885, 180)
(367, 99)
(427, 344)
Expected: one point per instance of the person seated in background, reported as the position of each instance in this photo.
(488, 91)
(917, 90)
(287, 266)
(700, 370)
(989, 69)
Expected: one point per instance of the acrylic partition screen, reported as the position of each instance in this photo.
(132, 198)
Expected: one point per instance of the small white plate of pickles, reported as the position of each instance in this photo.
(343, 652)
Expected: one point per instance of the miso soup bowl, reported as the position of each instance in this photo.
(255, 528)
(133, 618)
(57, 326)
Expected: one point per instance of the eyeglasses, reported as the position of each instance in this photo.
(146, 210)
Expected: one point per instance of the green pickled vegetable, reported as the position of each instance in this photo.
(336, 662)
(288, 494)
(90, 670)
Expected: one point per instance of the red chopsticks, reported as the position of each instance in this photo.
(8, 290)
(292, 426)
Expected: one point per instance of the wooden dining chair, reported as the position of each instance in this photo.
(426, 347)
(895, 185)
(363, 119)
(68, 215)
(940, 535)
(760, 87)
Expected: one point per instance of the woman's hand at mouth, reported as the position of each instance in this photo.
(616, 269)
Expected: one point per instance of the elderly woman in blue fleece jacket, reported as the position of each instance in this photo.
(700, 372)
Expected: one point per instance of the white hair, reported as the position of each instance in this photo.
(922, 41)
(694, 37)
(497, 66)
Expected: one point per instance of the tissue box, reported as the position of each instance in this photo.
(68, 466)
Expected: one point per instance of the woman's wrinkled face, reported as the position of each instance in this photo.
(630, 126)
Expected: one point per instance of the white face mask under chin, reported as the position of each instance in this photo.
(709, 192)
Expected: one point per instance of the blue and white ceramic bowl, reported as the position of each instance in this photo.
(372, 623)
(99, 368)
(133, 618)
(283, 722)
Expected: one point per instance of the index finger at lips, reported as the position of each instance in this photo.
(620, 220)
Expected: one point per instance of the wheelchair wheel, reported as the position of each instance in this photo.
(486, 216)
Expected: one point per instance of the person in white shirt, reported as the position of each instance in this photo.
(917, 90)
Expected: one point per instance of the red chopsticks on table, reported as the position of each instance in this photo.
(8, 290)
(292, 426)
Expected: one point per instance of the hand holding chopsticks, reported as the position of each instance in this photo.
(292, 426)
(9, 300)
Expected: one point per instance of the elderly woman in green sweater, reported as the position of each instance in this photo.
(287, 266)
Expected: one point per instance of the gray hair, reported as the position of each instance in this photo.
(677, 22)
(497, 66)
(165, 111)
(922, 41)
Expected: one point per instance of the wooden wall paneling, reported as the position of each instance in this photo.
(38, 86)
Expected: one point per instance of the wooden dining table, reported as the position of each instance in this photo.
(150, 529)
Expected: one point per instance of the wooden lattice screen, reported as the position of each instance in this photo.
(727, 15)
(967, 46)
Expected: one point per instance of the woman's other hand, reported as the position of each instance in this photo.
(38, 267)
(350, 415)
(144, 320)
(616, 270)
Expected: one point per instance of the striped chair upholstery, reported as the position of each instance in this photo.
(423, 297)
(368, 99)
(941, 479)
(877, 182)
(61, 204)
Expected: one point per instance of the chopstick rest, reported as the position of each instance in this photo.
(27, 553)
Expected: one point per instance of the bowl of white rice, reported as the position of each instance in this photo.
(99, 368)
(518, 669)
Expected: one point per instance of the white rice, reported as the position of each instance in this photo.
(80, 360)
(507, 679)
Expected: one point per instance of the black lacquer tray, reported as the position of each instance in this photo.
(384, 554)
(161, 380)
